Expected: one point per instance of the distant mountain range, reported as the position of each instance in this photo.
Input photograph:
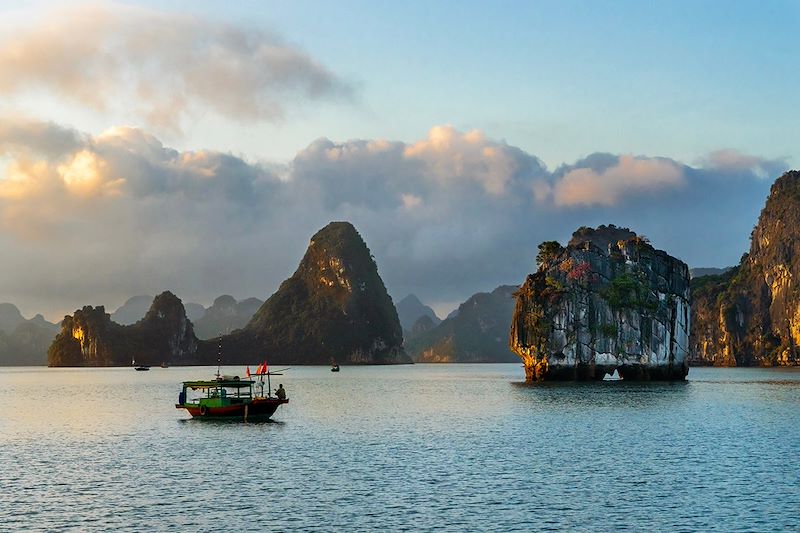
(410, 311)
(335, 306)
(707, 271)
(477, 333)
(23, 341)
(224, 315)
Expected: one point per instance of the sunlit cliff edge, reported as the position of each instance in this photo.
(750, 315)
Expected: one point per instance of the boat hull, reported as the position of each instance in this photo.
(257, 408)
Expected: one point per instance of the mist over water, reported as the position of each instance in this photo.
(422, 447)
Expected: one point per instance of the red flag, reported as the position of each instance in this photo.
(247, 371)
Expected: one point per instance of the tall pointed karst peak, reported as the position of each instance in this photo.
(335, 306)
(166, 306)
(339, 264)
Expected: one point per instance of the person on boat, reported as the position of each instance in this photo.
(280, 392)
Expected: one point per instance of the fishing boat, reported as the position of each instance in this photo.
(334, 366)
(229, 397)
(140, 368)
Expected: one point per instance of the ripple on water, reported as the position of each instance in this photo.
(423, 447)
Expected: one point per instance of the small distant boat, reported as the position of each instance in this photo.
(228, 397)
(164, 365)
(334, 366)
(140, 368)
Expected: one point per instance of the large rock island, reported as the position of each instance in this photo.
(90, 338)
(335, 306)
(607, 301)
(750, 315)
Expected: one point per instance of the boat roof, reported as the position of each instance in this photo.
(214, 383)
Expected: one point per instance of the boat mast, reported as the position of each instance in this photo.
(219, 355)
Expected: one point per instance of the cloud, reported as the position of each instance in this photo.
(95, 219)
(37, 138)
(629, 176)
(170, 64)
(730, 160)
(450, 155)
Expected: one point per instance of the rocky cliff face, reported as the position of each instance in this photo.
(751, 314)
(608, 301)
(90, 338)
(478, 333)
(335, 306)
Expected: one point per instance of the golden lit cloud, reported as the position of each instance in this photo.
(631, 175)
(148, 217)
(451, 155)
(87, 175)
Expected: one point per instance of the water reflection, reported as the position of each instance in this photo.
(601, 394)
(422, 447)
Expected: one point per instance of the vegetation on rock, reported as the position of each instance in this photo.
(608, 301)
(90, 338)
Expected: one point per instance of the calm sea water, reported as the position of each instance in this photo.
(422, 447)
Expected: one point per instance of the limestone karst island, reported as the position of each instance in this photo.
(606, 302)
(335, 306)
(429, 266)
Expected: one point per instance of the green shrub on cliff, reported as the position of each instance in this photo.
(626, 291)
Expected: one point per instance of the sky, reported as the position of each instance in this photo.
(196, 146)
